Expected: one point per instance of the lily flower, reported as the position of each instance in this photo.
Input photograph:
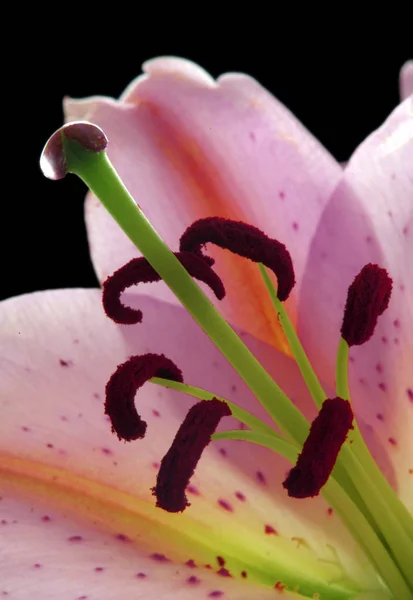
(216, 161)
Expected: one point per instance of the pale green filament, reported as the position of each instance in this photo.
(350, 514)
(314, 386)
(390, 515)
(310, 378)
(347, 511)
(362, 484)
(238, 413)
(359, 482)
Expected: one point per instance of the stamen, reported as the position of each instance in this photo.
(123, 385)
(367, 298)
(245, 240)
(328, 433)
(178, 464)
(138, 270)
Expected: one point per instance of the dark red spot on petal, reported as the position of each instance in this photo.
(192, 489)
(225, 505)
(46, 519)
(138, 270)
(392, 441)
(141, 575)
(75, 538)
(261, 477)
(222, 451)
(329, 511)
(159, 557)
(244, 240)
(380, 416)
(328, 433)
(193, 580)
(279, 586)
(191, 563)
(156, 413)
(99, 569)
(224, 572)
(382, 386)
(409, 393)
(240, 496)
(215, 594)
(178, 464)
(123, 385)
(64, 363)
(121, 537)
(220, 561)
(244, 574)
(367, 298)
(269, 529)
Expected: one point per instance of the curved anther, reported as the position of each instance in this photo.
(328, 433)
(245, 240)
(138, 270)
(123, 385)
(178, 464)
(367, 298)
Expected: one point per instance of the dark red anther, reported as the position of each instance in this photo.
(328, 433)
(367, 298)
(123, 385)
(138, 270)
(178, 464)
(245, 240)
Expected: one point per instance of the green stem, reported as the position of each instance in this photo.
(306, 370)
(277, 445)
(346, 510)
(99, 175)
(238, 413)
(316, 390)
(348, 471)
(390, 516)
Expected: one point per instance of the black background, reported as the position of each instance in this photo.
(341, 86)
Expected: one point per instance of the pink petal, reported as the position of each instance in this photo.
(59, 459)
(48, 552)
(406, 80)
(189, 147)
(370, 219)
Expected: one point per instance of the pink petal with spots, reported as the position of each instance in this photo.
(58, 457)
(52, 553)
(406, 80)
(188, 147)
(370, 219)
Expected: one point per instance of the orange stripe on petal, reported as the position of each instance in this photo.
(208, 194)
